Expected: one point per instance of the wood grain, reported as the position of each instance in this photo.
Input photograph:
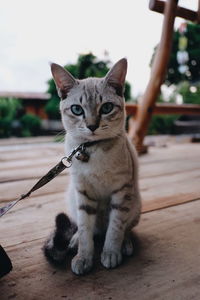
(166, 261)
(165, 265)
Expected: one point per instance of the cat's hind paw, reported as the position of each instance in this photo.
(80, 265)
(111, 259)
(52, 253)
(56, 246)
(127, 247)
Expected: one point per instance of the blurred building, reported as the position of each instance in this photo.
(32, 102)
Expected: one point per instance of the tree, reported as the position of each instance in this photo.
(173, 75)
(8, 111)
(189, 93)
(87, 66)
(186, 85)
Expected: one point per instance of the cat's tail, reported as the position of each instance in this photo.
(57, 245)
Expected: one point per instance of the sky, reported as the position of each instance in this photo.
(34, 33)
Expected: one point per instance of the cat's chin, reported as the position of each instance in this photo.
(92, 138)
(87, 138)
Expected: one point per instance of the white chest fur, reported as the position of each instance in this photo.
(110, 163)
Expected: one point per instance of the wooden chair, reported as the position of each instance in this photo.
(143, 111)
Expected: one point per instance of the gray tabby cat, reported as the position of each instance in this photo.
(103, 195)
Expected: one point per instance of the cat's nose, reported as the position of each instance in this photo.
(92, 127)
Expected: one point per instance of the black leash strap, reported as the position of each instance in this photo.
(65, 162)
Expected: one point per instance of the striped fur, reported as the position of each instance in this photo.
(103, 195)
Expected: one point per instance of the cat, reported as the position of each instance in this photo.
(103, 196)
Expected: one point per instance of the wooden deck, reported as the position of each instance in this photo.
(166, 264)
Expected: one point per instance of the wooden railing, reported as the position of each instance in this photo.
(167, 108)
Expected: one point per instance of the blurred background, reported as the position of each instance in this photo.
(87, 37)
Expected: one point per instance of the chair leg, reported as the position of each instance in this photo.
(146, 106)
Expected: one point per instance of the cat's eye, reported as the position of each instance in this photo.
(77, 110)
(106, 108)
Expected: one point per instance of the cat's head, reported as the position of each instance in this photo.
(92, 108)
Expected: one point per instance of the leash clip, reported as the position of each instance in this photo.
(66, 162)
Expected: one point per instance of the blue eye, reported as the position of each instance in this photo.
(77, 110)
(106, 108)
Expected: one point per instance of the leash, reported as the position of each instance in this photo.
(65, 162)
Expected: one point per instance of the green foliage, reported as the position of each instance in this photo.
(162, 124)
(87, 66)
(173, 76)
(9, 107)
(186, 84)
(190, 94)
(8, 111)
(193, 49)
(52, 108)
(127, 91)
(11, 124)
(31, 125)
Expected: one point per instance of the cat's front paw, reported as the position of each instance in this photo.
(111, 259)
(81, 265)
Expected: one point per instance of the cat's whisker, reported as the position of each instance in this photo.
(104, 127)
(60, 136)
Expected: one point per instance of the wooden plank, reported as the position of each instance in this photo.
(28, 140)
(173, 172)
(175, 166)
(34, 146)
(24, 153)
(157, 192)
(185, 13)
(29, 215)
(167, 108)
(154, 164)
(27, 169)
(169, 190)
(32, 172)
(168, 176)
(171, 153)
(20, 164)
(11, 190)
(165, 265)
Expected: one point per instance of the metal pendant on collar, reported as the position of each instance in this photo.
(82, 154)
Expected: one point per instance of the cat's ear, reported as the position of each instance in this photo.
(63, 79)
(116, 76)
